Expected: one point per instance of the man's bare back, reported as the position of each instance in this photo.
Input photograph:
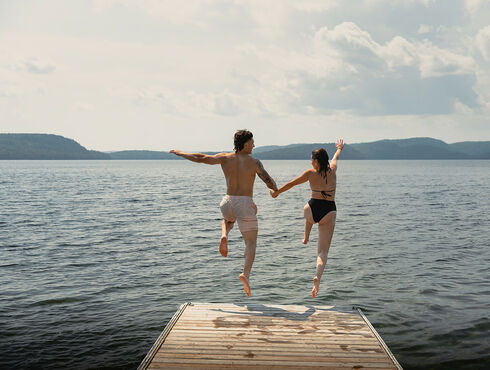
(240, 170)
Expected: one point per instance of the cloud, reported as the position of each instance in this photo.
(35, 65)
(84, 106)
(194, 12)
(17, 61)
(357, 47)
(424, 28)
(314, 5)
(405, 3)
(168, 101)
(482, 41)
(346, 69)
(189, 103)
(226, 105)
(267, 17)
(472, 6)
(6, 92)
(15, 82)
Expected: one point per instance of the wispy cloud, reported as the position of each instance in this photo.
(35, 65)
(482, 41)
(344, 68)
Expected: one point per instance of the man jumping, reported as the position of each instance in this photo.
(239, 169)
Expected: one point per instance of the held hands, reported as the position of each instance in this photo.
(340, 144)
(274, 193)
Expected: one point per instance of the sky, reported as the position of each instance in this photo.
(160, 75)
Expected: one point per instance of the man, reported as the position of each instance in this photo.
(239, 169)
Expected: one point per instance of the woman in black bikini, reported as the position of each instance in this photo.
(321, 207)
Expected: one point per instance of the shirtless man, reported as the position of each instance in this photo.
(239, 169)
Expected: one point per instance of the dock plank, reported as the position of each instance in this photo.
(228, 336)
(257, 356)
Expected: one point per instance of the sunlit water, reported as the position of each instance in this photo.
(96, 256)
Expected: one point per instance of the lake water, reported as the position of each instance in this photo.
(96, 256)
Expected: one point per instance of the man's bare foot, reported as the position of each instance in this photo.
(316, 287)
(246, 285)
(223, 246)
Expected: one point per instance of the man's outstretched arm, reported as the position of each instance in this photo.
(262, 173)
(200, 157)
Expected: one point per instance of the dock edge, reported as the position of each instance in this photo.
(380, 340)
(163, 335)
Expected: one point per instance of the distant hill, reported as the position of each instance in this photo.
(303, 151)
(414, 148)
(44, 146)
(475, 148)
(141, 154)
(268, 148)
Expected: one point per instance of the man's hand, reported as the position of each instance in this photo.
(274, 193)
(176, 152)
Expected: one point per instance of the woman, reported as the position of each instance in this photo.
(321, 207)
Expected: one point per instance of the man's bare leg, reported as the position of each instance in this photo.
(308, 223)
(250, 239)
(226, 226)
(325, 232)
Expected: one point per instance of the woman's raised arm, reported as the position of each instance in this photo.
(340, 145)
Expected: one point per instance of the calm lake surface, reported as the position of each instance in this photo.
(96, 256)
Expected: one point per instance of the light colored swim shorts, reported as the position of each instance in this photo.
(241, 209)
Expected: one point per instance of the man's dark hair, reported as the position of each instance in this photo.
(241, 137)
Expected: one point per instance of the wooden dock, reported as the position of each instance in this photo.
(228, 336)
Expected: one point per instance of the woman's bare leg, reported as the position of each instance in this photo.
(325, 232)
(308, 223)
(226, 226)
(308, 226)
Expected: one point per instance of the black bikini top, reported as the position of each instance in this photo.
(325, 192)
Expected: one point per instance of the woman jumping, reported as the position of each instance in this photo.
(321, 207)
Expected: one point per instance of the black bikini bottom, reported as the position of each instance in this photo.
(321, 207)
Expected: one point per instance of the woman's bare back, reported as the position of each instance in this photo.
(323, 188)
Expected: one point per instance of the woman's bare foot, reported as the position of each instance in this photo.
(246, 285)
(223, 246)
(316, 287)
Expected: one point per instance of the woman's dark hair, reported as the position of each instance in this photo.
(241, 137)
(322, 156)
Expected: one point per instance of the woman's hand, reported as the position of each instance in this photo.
(340, 144)
(274, 193)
